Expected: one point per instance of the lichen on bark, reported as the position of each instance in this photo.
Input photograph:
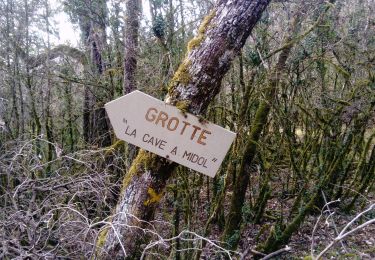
(183, 105)
(144, 161)
(181, 76)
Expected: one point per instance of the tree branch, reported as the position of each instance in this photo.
(58, 51)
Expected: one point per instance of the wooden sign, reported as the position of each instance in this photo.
(155, 126)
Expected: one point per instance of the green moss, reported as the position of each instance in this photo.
(182, 75)
(102, 236)
(197, 40)
(204, 25)
(233, 240)
(144, 160)
(270, 239)
(362, 82)
(154, 197)
(183, 105)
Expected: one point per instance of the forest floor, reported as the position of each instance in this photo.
(359, 245)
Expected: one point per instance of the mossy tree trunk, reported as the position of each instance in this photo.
(231, 233)
(196, 82)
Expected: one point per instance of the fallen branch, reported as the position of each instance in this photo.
(343, 235)
(278, 252)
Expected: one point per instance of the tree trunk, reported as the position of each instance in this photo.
(196, 82)
(48, 110)
(133, 11)
(231, 233)
(93, 28)
(11, 71)
(97, 41)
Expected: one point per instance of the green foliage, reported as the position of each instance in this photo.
(232, 241)
(253, 58)
(247, 213)
(158, 27)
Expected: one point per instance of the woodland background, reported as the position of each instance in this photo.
(300, 95)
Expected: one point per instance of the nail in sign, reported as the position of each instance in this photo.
(155, 126)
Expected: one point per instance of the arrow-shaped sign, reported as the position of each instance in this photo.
(155, 126)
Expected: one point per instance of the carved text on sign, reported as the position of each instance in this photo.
(162, 129)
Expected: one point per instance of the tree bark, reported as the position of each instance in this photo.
(97, 42)
(133, 11)
(196, 82)
(11, 71)
(231, 233)
(92, 19)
